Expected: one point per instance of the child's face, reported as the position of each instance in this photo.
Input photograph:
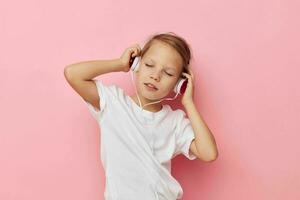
(161, 65)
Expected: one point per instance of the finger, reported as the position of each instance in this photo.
(137, 50)
(134, 50)
(190, 71)
(133, 53)
(137, 47)
(186, 74)
(190, 79)
(192, 74)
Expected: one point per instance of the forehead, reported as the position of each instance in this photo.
(163, 54)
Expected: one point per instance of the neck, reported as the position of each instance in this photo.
(152, 107)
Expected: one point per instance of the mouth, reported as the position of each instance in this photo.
(150, 86)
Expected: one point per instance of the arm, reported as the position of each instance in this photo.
(87, 70)
(204, 145)
(79, 75)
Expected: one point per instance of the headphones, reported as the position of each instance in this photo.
(179, 88)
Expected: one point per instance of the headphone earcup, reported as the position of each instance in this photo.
(137, 59)
(135, 64)
(180, 86)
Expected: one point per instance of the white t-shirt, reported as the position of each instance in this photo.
(137, 146)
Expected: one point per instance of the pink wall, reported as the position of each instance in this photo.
(246, 62)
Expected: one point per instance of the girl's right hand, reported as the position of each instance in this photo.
(128, 56)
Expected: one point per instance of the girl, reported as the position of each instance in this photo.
(137, 143)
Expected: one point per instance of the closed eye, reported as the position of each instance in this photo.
(169, 74)
(165, 71)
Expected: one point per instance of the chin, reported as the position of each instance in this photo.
(149, 96)
(154, 97)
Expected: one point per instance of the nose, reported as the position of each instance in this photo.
(156, 75)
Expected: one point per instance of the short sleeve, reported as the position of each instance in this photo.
(184, 136)
(106, 93)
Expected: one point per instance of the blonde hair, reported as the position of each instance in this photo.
(175, 41)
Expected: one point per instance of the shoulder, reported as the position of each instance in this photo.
(112, 90)
(179, 114)
(176, 116)
(181, 121)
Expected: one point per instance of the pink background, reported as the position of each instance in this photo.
(246, 61)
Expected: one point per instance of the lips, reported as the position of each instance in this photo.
(151, 85)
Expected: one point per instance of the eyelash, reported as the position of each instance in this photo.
(166, 72)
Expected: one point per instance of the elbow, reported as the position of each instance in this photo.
(212, 158)
(67, 73)
(213, 155)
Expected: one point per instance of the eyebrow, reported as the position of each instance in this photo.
(166, 67)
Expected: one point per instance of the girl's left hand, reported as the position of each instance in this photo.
(188, 95)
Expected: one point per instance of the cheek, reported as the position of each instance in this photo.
(168, 87)
(172, 83)
(140, 83)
